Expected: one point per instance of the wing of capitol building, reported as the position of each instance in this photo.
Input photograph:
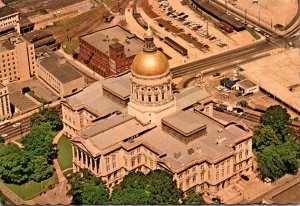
(133, 122)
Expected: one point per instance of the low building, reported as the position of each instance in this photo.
(17, 60)
(278, 76)
(9, 20)
(109, 51)
(5, 111)
(247, 87)
(131, 123)
(57, 73)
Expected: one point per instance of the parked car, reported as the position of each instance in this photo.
(16, 124)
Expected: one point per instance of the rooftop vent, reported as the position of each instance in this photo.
(177, 155)
(190, 151)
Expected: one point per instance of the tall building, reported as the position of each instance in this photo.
(9, 20)
(109, 51)
(17, 60)
(115, 130)
(5, 111)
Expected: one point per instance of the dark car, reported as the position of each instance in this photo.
(238, 94)
(216, 74)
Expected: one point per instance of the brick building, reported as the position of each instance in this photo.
(109, 51)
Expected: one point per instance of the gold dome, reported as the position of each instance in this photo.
(150, 64)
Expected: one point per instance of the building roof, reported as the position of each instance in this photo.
(113, 130)
(92, 99)
(229, 83)
(102, 39)
(246, 84)
(6, 11)
(5, 45)
(185, 122)
(190, 97)
(58, 67)
(119, 86)
(276, 74)
(205, 147)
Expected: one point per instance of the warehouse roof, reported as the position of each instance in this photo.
(6, 11)
(102, 39)
(58, 66)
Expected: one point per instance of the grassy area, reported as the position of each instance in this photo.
(32, 189)
(253, 33)
(64, 153)
(40, 99)
(71, 46)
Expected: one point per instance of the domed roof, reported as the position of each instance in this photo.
(150, 64)
(150, 61)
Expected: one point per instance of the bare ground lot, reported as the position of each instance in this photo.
(277, 11)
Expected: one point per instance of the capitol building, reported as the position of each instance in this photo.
(134, 122)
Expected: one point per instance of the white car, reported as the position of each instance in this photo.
(16, 124)
(4, 135)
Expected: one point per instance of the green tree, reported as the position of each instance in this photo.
(276, 161)
(193, 198)
(39, 141)
(41, 169)
(95, 193)
(279, 119)
(86, 188)
(1, 140)
(50, 116)
(264, 136)
(163, 188)
(157, 187)
(131, 190)
(15, 166)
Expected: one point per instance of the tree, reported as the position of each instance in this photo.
(50, 116)
(95, 194)
(276, 161)
(163, 188)
(41, 169)
(264, 136)
(193, 198)
(157, 187)
(15, 166)
(131, 190)
(86, 188)
(279, 119)
(39, 141)
(1, 140)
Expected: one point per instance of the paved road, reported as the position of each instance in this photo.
(242, 53)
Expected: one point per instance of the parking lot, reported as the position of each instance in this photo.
(200, 33)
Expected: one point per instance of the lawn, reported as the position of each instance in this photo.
(31, 189)
(64, 153)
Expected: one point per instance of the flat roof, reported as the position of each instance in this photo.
(121, 127)
(276, 74)
(190, 97)
(91, 98)
(119, 86)
(64, 71)
(202, 148)
(246, 84)
(186, 122)
(5, 45)
(6, 11)
(102, 39)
